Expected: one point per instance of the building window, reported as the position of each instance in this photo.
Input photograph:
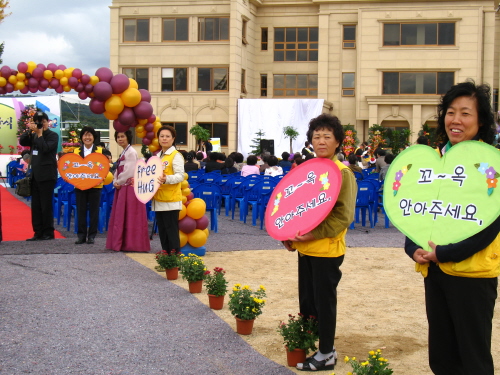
(141, 75)
(217, 130)
(263, 39)
(244, 32)
(136, 30)
(212, 79)
(296, 44)
(349, 39)
(175, 29)
(181, 130)
(419, 34)
(213, 29)
(243, 81)
(263, 85)
(406, 83)
(174, 79)
(347, 84)
(295, 85)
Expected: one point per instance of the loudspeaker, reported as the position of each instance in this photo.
(267, 145)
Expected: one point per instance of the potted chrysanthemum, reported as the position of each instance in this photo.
(245, 306)
(194, 271)
(216, 285)
(169, 262)
(299, 334)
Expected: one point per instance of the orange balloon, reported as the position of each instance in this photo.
(108, 179)
(184, 199)
(12, 80)
(47, 74)
(131, 97)
(184, 184)
(94, 80)
(139, 129)
(58, 74)
(19, 85)
(140, 135)
(142, 121)
(197, 238)
(156, 127)
(183, 238)
(133, 83)
(186, 176)
(196, 208)
(110, 116)
(153, 148)
(67, 88)
(206, 231)
(3, 81)
(182, 212)
(186, 192)
(68, 72)
(63, 81)
(114, 104)
(155, 142)
(20, 76)
(31, 66)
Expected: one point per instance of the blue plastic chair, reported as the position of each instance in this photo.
(255, 197)
(368, 171)
(211, 194)
(11, 171)
(225, 187)
(238, 192)
(211, 177)
(64, 202)
(365, 192)
(359, 176)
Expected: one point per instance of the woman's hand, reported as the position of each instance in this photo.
(162, 178)
(431, 256)
(419, 256)
(116, 185)
(304, 237)
(288, 245)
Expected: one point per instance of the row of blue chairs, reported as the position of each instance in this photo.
(14, 172)
(369, 200)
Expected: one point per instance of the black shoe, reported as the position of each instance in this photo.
(34, 238)
(80, 241)
(45, 238)
(90, 241)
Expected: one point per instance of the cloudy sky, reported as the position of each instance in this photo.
(72, 33)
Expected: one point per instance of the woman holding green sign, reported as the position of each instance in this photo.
(461, 278)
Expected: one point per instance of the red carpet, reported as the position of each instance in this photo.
(16, 218)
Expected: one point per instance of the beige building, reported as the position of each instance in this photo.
(373, 62)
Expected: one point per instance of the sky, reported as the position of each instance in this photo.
(67, 32)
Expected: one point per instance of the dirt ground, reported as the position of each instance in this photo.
(380, 304)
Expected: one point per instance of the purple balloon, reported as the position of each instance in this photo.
(145, 96)
(2, 90)
(59, 89)
(54, 83)
(5, 71)
(72, 82)
(9, 87)
(32, 82)
(143, 110)
(41, 66)
(44, 83)
(52, 67)
(41, 89)
(119, 83)
(85, 79)
(202, 222)
(104, 74)
(13, 72)
(127, 116)
(37, 73)
(77, 73)
(103, 91)
(88, 88)
(150, 135)
(61, 67)
(97, 106)
(152, 118)
(79, 87)
(23, 68)
(149, 127)
(119, 127)
(187, 224)
(83, 95)
(33, 89)
(146, 141)
(24, 90)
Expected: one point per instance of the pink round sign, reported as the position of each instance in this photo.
(303, 198)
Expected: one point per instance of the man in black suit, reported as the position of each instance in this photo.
(43, 143)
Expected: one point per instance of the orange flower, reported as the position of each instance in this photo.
(492, 182)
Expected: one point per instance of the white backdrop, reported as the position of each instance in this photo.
(272, 115)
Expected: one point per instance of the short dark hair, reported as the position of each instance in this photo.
(171, 129)
(106, 152)
(88, 129)
(423, 140)
(127, 133)
(309, 156)
(251, 160)
(213, 156)
(238, 157)
(285, 155)
(229, 162)
(199, 156)
(482, 94)
(380, 152)
(352, 159)
(326, 121)
(389, 158)
(272, 161)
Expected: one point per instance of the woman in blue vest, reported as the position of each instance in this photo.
(167, 201)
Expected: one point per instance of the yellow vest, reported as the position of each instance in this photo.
(99, 151)
(169, 192)
(324, 247)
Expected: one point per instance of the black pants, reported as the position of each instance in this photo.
(168, 230)
(90, 200)
(460, 313)
(318, 280)
(42, 211)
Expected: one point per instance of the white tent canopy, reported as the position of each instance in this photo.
(272, 115)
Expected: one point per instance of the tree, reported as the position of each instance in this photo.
(200, 133)
(1, 52)
(292, 133)
(398, 139)
(256, 150)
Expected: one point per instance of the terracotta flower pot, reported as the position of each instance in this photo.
(172, 274)
(244, 327)
(195, 287)
(215, 302)
(295, 356)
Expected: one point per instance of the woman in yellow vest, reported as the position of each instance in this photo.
(321, 251)
(167, 201)
(461, 279)
(90, 197)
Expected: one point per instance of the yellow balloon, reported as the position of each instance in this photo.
(58, 74)
(153, 148)
(155, 142)
(184, 199)
(141, 135)
(206, 231)
(108, 179)
(20, 76)
(186, 192)
(133, 83)
(186, 176)
(63, 81)
(196, 208)
(197, 237)
(184, 184)
(19, 85)
(139, 129)
(94, 80)
(31, 66)
(182, 212)
(131, 97)
(156, 127)
(67, 88)
(47, 74)
(114, 104)
(183, 238)
(142, 121)
(158, 119)
(68, 72)
(110, 116)
(3, 81)
(12, 79)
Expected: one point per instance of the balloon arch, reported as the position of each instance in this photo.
(115, 96)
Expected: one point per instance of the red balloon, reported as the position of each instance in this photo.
(119, 83)
(127, 116)
(41, 89)
(187, 224)
(13, 72)
(88, 88)
(103, 91)
(59, 89)
(146, 141)
(3, 92)
(150, 135)
(44, 83)
(104, 74)
(23, 68)
(145, 96)
(83, 95)
(33, 82)
(28, 75)
(202, 222)
(54, 83)
(61, 67)
(9, 87)
(41, 66)
(97, 106)
(85, 79)
(149, 127)
(24, 90)
(143, 110)
(37, 73)
(72, 82)
(119, 127)
(52, 67)
(152, 118)
(79, 87)
(77, 73)
(190, 196)
(5, 71)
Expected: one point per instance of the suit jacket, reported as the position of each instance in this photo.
(43, 154)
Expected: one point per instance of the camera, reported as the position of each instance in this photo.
(38, 119)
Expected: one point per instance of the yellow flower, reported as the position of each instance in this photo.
(378, 350)
(371, 352)
(262, 287)
(353, 358)
(246, 287)
(255, 310)
(346, 359)
(349, 373)
(404, 169)
(237, 285)
(364, 363)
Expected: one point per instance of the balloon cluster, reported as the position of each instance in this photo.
(117, 97)
(193, 224)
